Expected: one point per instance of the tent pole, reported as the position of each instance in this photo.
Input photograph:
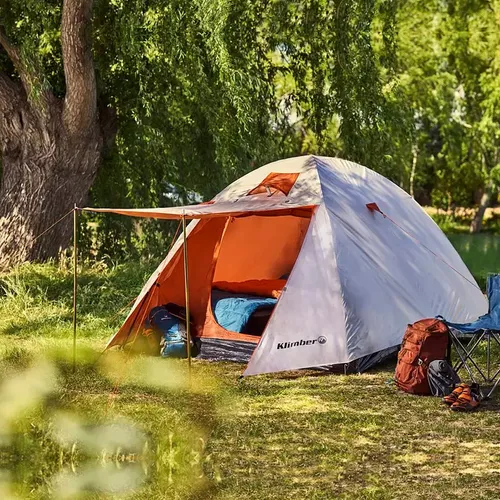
(186, 288)
(75, 277)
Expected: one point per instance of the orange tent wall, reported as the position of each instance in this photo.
(223, 249)
(202, 241)
(260, 248)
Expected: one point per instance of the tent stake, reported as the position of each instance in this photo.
(75, 276)
(186, 288)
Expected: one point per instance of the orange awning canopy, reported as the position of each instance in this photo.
(240, 208)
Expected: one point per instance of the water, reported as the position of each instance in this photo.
(480, 252)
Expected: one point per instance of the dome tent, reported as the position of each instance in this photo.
(361, 257)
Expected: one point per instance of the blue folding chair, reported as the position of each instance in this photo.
(487, 328)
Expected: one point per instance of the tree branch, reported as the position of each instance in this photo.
(108, 121)
(15, 56)
(80, 103)
(11, 50)
(12, 110)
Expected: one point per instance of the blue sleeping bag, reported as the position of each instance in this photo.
(172, 330)
(232, 311)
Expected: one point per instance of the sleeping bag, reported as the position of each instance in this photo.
(232, 311)
(172, 331)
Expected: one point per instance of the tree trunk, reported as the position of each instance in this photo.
(50, 147)
(44, 173)
(414, 151)
(477, 221)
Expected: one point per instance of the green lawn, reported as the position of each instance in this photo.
(139, 426)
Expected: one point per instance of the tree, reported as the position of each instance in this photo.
(472, 40)
(451, 78)
(197, 90)
(484, 92)
(51, 145)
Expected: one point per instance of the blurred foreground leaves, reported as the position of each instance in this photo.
(61, 434)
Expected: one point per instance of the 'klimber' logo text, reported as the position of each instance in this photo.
(287, 345)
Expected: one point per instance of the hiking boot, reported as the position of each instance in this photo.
(467, 401)
(453, 396)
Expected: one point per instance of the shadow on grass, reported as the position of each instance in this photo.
(388, 364)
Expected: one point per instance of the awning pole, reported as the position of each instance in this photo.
(75, 277)
(186, 288)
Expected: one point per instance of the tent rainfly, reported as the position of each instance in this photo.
(327, 261)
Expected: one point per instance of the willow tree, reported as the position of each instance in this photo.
(190, 94)
(51, 145)
(72, 74)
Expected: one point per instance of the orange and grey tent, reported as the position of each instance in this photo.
(360, 257)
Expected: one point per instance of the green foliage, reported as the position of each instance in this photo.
(450, 77)
(207, 90)
(65, 434)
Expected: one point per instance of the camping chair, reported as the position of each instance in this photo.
(487, 327)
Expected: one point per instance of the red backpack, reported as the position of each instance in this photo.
(423, 342)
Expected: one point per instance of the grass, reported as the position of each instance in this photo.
(137, 427)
